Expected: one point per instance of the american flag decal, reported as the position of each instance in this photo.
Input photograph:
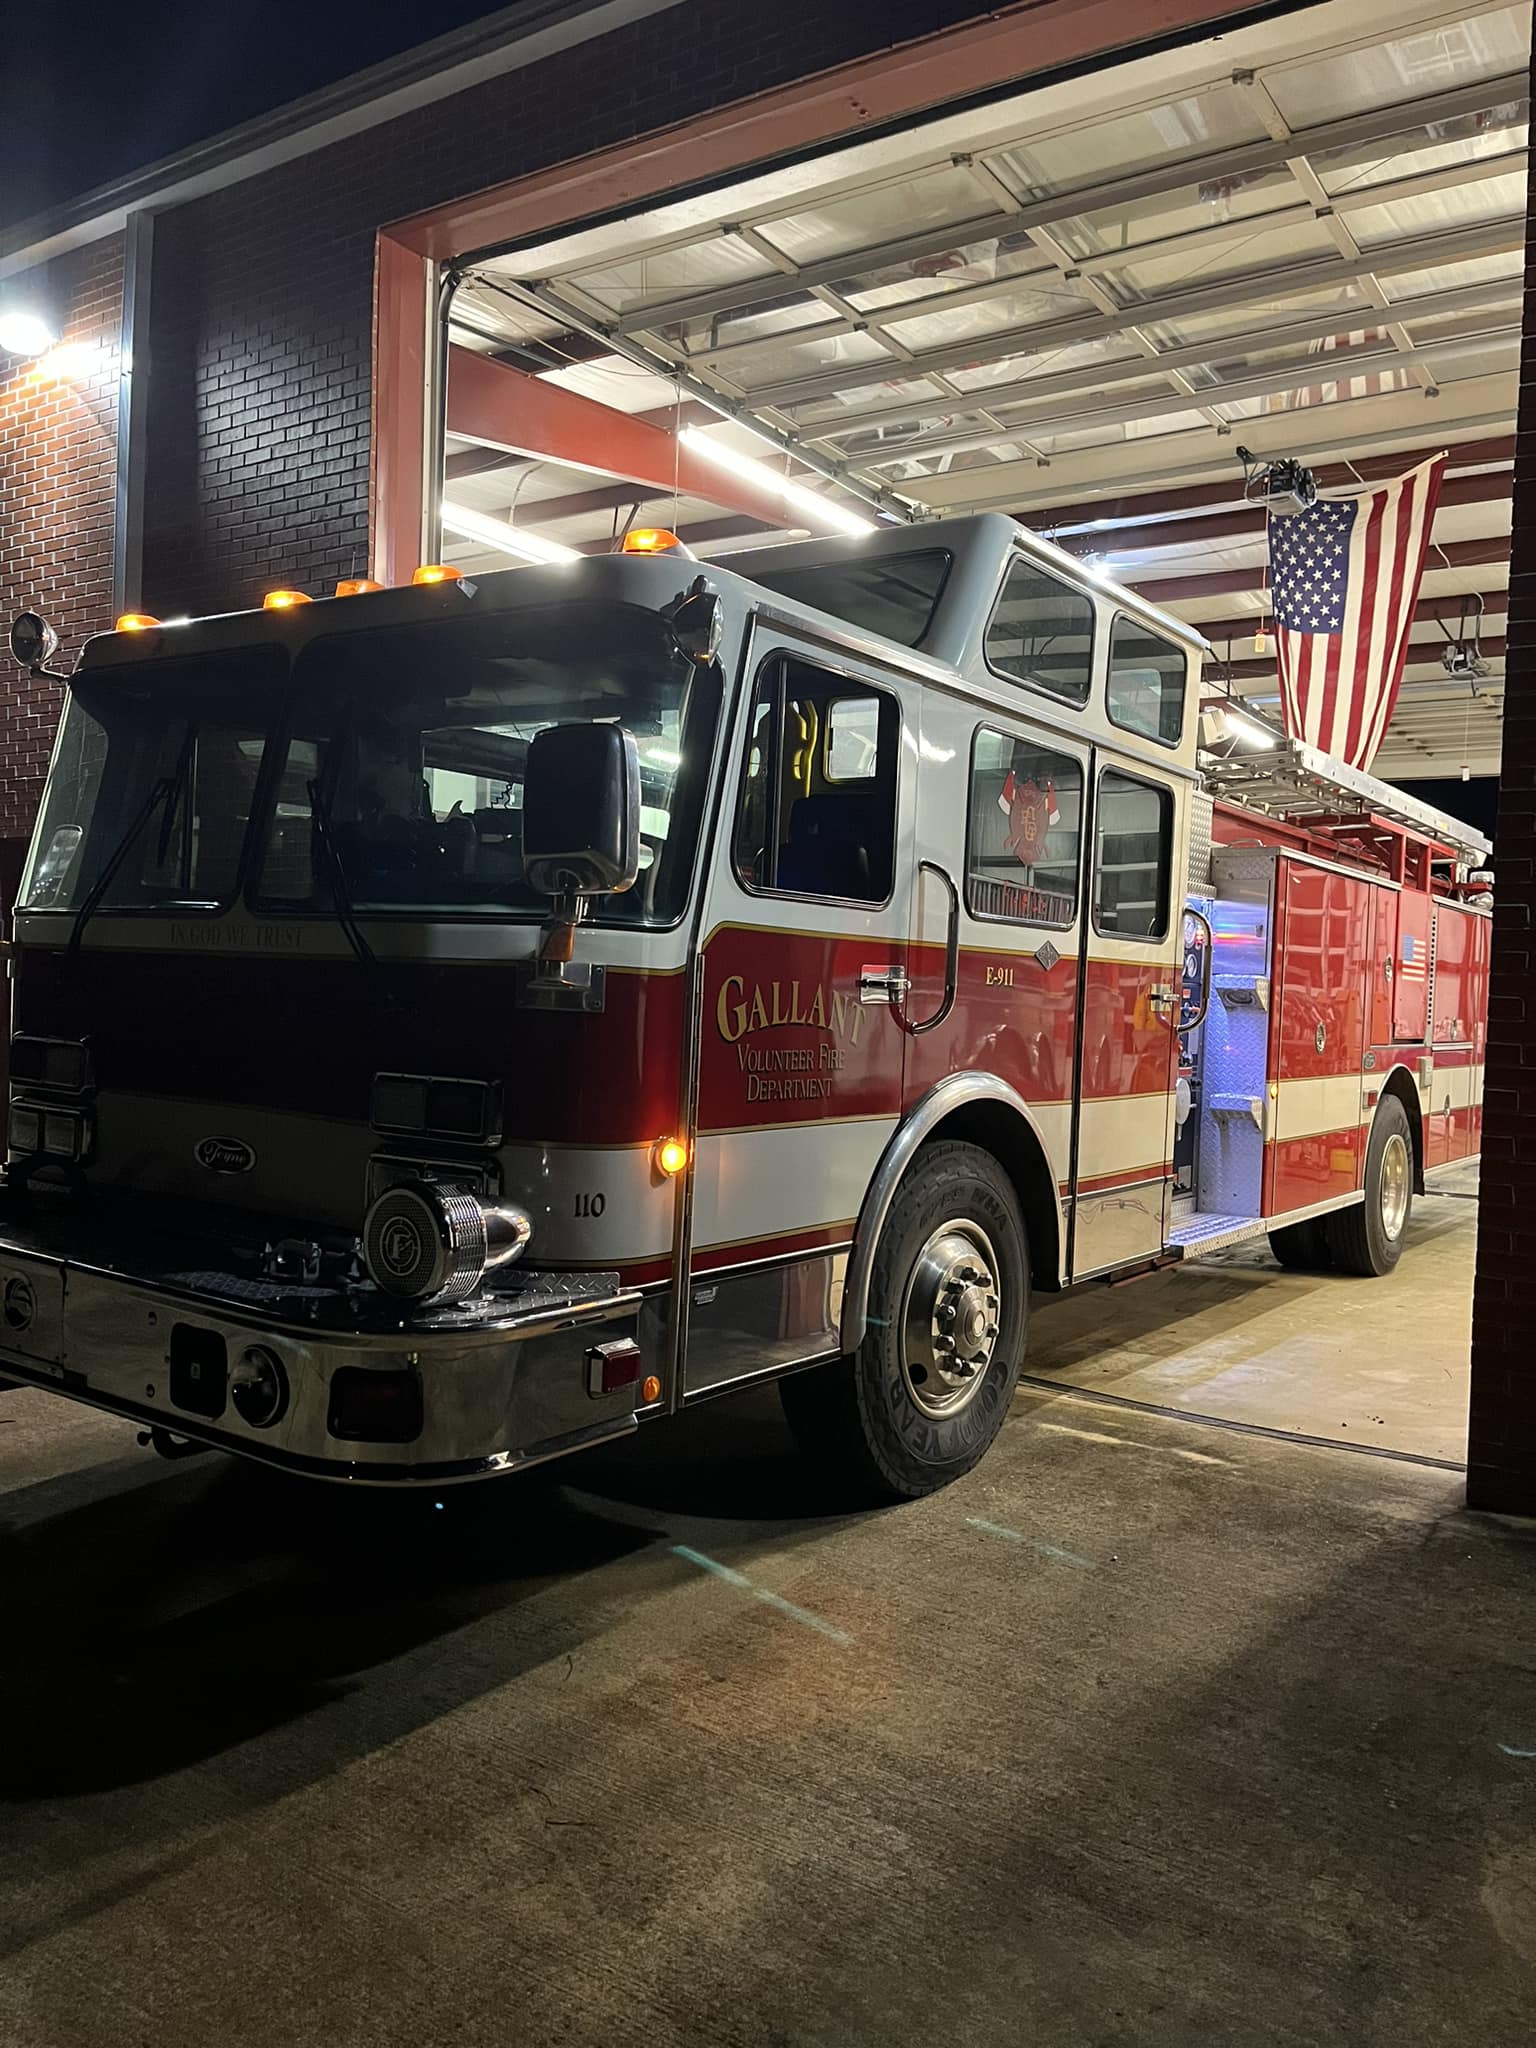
(1344, 579)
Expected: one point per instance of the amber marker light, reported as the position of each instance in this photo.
(136, 622)
(284, 600)
(650, 1389)
(356, 586)
(671, 1155)
(651, 540)
(438, 572)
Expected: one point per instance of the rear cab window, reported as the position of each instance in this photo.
(1148, 675)
(1041, 633)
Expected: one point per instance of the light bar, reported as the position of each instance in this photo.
(750, 471)
(499, 533)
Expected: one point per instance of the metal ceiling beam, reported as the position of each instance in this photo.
(1428, 611)
(1099, 513)
(1278, 379)
(491, 403)
(1421, 654)
(1457, 554)
(833, 431)
(724, 405)
(1268, 154)
(1488, 488)
(1411, 252)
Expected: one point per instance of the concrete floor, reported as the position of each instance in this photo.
(1377, 1362)
(1147, 1733)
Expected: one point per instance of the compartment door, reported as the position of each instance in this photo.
(1314, 1148)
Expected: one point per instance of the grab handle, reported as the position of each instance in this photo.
(951, 951)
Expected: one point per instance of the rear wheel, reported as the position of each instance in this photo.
(926, 1392)
(1302, 1246)
(1368, 1238)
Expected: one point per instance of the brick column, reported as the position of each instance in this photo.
(58, 480)
(1501, 1449)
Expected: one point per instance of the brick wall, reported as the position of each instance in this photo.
(1501, 1450)
(58, 476)
(259, 386)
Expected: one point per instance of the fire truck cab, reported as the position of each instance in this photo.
(454, 1024)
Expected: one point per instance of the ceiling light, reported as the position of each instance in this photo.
(499, 533)
(1241, 727)
(766, 479)
(24, 332)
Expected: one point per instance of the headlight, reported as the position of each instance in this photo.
(45, 1128)
(434, 1242)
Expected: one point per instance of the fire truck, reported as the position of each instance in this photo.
(455, 1024)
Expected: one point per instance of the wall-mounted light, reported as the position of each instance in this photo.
(24, 331)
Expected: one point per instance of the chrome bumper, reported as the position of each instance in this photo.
(502, 1379)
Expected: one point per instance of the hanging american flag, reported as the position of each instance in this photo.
(1344, 579)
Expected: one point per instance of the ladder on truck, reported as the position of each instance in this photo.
(1300, 785)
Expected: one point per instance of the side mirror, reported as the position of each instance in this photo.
(581, 811)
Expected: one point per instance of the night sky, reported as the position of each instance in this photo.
(90, 93)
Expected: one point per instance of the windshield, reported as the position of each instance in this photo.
(186, 734)
(412, 742)
(893, 595)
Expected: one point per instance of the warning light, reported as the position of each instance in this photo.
(136, 622)
(671, 1155)
(356, 586)
(650, 1388)
(652, 540)
(284, 600)
(438, 572)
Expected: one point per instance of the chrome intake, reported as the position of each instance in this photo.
(434, 1242)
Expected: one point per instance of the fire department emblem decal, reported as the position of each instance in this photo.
(224, 1155)
(401, 1246)
(1031, 813)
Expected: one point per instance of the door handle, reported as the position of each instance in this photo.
(951, 951)
(883, 984)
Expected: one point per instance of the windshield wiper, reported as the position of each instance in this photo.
(169, 790)
(336, 874)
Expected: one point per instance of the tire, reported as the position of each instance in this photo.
(908, 1411)
(1303, 1247)
(1367, 1238)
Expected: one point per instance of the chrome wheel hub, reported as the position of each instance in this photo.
(950, 1318)
(1396, 1185)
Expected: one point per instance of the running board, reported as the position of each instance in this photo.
(1205, 1231)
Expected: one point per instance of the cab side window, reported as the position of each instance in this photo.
(1025, 826)
(817, 813)
(1147, 675)
(1132, 858)
(1041, 633)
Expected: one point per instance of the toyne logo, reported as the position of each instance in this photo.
(224, 1155)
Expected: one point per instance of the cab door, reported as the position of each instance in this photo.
(1128, 1060)
(803, 966)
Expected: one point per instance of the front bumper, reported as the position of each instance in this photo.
(98, 1313)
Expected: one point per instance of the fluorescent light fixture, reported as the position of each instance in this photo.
(25, 333)
(499, 533)
(1242, 727)
(766, 479)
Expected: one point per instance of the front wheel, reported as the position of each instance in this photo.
(1368, 1238)
(926, 1392)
